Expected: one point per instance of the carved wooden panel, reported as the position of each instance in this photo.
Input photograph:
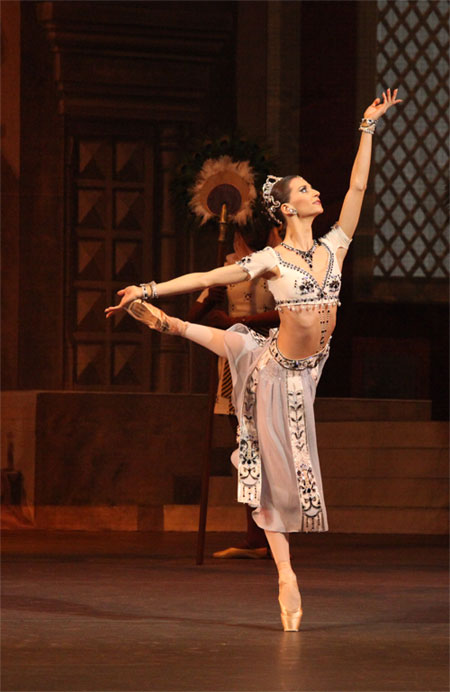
(110, 198)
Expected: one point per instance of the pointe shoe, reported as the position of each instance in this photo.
(148, 314)
(156, 319)
(290, 619)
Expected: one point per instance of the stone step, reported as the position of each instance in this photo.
(386, 462)
(364, 519)
(222, 490)
(395, 454)
(348, 492)
(410, 520)
(347, 409)
(389, 463)
(83, 518)
(370, 428)
(354, 409)
(382, 434)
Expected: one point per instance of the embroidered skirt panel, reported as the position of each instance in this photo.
(277, 458)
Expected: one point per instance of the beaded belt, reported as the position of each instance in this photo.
(308, 304)
(299, 363)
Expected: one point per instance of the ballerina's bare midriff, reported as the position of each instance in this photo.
(307, 331)
(301, 334)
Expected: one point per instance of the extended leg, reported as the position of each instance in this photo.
(209, 337)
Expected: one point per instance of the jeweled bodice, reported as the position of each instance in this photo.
(294, 287)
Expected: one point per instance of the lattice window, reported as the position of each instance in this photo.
(411, 152)
(111, 201)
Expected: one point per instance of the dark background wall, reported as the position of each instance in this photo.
(145, 78)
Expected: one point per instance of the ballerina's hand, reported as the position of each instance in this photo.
(128, 294)
(379, 108)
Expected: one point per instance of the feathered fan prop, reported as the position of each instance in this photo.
(224, 181)
(223, 171)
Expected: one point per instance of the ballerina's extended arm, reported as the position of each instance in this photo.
(351, 207)
(188, 283)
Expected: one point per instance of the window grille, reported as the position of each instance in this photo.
(411, 153)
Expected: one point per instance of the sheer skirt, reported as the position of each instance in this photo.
(277, 458)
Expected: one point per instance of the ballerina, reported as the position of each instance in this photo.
(275, 378)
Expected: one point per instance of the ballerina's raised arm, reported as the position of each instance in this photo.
(351, 207)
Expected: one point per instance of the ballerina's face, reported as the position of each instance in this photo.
(303, 198)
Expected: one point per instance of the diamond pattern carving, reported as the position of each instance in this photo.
(92, 159)
(128, 210)
(128, 261)
(90, 364)
(91, 208)
(126, 364)
(91, 259)
(129, 161)
(111, 180)
(411, 156)
(122, 322)
(90, 310)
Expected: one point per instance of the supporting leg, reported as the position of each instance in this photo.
(289, 595)
(279, 545)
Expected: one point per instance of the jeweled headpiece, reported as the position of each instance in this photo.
(270, 203)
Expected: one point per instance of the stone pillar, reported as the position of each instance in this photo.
(170, 371)
(268, 77)
(283, 83)
(251, 68)
(10, 172)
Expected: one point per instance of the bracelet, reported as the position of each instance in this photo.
(368, 125)
(152, 285)
(145, 294)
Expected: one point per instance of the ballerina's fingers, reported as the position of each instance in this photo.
(395, 99)
(112, 310)
(392, 98)
(389, 99)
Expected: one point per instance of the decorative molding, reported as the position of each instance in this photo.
(140, 60)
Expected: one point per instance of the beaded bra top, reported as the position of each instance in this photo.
(296, 288)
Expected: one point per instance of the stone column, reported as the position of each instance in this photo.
(170, 371)
(10, 138)
(283, 82)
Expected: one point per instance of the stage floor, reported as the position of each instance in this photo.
(132, 611)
